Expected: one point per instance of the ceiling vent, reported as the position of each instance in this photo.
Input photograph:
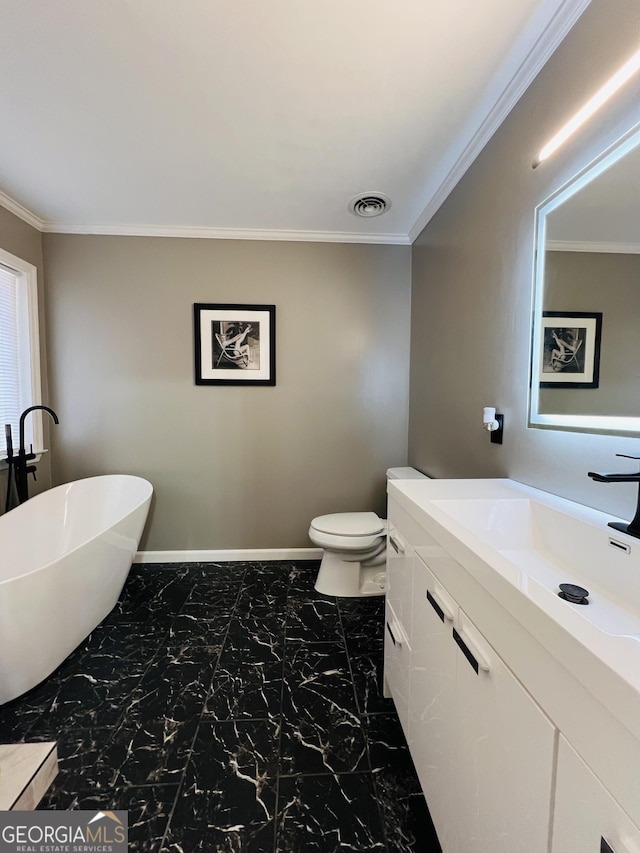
(369, 204)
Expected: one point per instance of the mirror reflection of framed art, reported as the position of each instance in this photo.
(570, 344)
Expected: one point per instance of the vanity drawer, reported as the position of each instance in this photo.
(397, 663)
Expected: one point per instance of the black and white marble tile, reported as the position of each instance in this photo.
(220, 574)
(321, 730)
(240, 690)
(122, 640)
(81, 765)
(264, 592)
(302, 577)
(153, 596)
(176, 685)
(362, 618)
(230, 707)
(315, 620)
(258, 640)
(228, 799)
(83, 701)
(149, 753)
(245, 750)
(329, 814)
(18, 717)
(202, 823)
(317, 675)
(148, 808)
(366, 660)
(333, 742)
(199, 624)
(405, 812)
(218, 601)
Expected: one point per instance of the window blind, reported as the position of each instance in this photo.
(10, 378)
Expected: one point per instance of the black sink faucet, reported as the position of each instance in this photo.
(633, 527)
(20, 461)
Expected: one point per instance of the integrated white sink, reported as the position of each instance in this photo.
(520, 544)
(549, 547)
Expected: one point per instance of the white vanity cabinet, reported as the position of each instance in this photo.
(586, 817)
(521, 708)
(483, 749)
(399, 593)
(398, 625)
(504, 754)
(432, 727)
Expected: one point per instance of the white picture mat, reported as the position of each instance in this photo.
(207, 317)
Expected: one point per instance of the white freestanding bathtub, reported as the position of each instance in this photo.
(64, 557)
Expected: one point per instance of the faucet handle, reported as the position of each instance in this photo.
(8, 440)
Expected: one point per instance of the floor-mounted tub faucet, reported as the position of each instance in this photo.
(633, 527)
(20, 466)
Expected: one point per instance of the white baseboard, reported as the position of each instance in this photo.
(247, 555)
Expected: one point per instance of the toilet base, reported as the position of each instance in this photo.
(350, 579)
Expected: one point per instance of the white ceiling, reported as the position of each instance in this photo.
(255, 118)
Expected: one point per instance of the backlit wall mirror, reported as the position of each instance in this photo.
(585, 351)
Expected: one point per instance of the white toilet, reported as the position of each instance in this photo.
(354, 543)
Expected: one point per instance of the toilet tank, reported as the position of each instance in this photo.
(405, 474)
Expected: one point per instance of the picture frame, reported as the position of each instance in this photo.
(234, 344)
(570, 349)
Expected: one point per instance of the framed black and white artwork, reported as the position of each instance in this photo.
(234, 344)
(570, 342)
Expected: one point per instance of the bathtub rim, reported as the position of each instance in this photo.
(83, 543)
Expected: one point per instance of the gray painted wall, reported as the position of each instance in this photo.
(232, 467)
(24, 241)
(472, 282)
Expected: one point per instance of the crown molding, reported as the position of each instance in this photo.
(21, 212)
(513, 89)
(206, 233)
(598, 247)
(202, 232)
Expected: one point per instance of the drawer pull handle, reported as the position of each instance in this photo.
(468, 649)
(396, 544)
(435, 606)
(393, 639)
(441, 608)
(465, 650)
(621, 846)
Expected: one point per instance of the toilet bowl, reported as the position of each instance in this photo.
(354, 544)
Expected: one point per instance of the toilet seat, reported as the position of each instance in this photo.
(348, 531)
(349, 524)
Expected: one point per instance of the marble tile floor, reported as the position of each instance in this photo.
(228, 707)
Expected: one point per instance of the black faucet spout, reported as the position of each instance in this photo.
(21, 469)
(633, 527)
(23, 417)
(615, 478)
